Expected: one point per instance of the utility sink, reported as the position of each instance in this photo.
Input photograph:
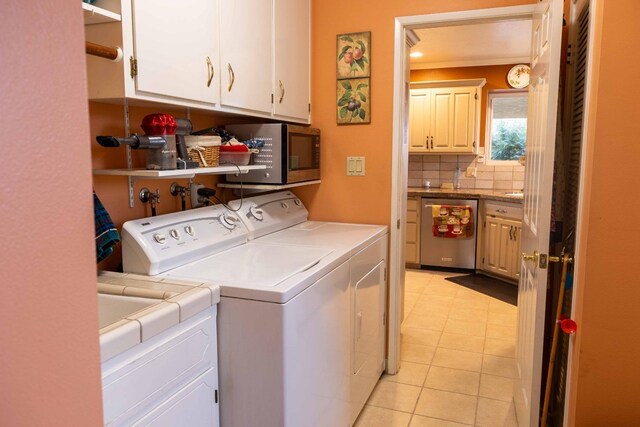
(112, 308)
(514, 193)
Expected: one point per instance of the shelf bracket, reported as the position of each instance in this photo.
(127, 131)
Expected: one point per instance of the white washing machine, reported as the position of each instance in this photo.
(365, 248)
(284, 324)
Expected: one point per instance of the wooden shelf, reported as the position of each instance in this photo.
(268, 187)
(176, 173)
(97, 15)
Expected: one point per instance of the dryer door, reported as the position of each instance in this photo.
(368, 334)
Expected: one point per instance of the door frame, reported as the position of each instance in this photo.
(582, 223)
(399, 153)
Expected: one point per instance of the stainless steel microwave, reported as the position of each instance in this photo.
(290, 153)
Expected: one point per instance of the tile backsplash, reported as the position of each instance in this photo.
(440, 169)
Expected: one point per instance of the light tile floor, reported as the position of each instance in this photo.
(457, 369)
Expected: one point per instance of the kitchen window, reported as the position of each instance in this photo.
(506, 132)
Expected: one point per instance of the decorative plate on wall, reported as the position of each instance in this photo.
(518, 76)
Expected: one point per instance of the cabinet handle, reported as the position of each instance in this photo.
(431, 142)
(511, 232)
(210, 72)
(281, 91)
(501, 211)
(232, 77)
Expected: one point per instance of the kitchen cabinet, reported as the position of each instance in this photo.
(164, 61)
(176, 48)
(170, 379)
(445, 118)
(291, 58)
(502, 235)
(412, 228)
(246, 56)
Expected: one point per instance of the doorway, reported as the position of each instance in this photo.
(400, 148)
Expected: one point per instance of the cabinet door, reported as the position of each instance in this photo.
(463, 120)
(412, 231)
(176, 46)
(496, 255)
(291, 59)
(453, 119)
(441, 118)
(246, 54)
(419, 121)
(514, 250)
(194, 405)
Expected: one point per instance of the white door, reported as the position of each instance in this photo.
(541, 134)
(245, 54)
(291, 59)
(176, 46)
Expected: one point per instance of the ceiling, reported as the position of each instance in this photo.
(505, 42)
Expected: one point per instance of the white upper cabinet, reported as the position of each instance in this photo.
(291, 59)
(419, 127)
(445, 118)
(248, 57)
(246, 54)
(176, 48)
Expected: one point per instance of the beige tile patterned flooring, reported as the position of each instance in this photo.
(457, 369)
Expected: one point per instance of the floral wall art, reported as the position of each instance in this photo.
(353, 70)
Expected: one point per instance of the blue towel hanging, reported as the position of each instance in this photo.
(106, 233)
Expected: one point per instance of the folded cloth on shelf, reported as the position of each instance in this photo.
(106, 233)
(452, 221)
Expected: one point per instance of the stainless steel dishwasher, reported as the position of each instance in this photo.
(449, 240)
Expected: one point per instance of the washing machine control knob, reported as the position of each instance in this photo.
(297, 202)
(227, 221)
(175, 234)
(284, 205)
(189, 230)
(160, 238)
(256, 212)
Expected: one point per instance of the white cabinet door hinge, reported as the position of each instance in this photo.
(133, 63)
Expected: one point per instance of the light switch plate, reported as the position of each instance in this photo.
(355, 166)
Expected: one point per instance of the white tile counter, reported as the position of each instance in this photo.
(176, 301)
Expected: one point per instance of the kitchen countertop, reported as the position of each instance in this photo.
(498, 195)
(176, 302)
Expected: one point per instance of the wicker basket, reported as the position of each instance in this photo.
(204, 149)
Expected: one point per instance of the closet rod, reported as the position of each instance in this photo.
(112, 53)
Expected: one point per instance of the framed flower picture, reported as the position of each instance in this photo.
(353, 55)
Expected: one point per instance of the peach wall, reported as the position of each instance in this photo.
(49, 353)
(496, 76)
(361, 199)
(608, 379)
